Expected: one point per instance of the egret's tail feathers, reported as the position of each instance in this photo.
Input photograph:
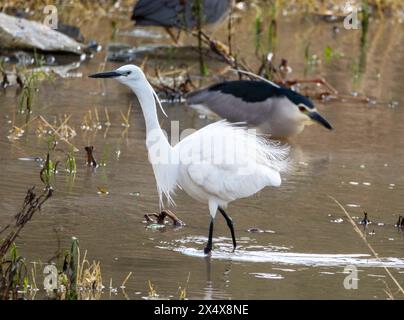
(275, 152)
(267, 152)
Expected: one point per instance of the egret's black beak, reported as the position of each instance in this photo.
(315, 116)
(110, 74)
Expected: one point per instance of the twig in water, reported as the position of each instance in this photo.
(90, 158)
(160, 217)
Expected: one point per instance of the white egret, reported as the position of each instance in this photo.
(217, 164)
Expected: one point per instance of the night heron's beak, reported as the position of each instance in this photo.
(315, 116)
(109, 74)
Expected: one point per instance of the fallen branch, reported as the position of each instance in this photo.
(160, 217)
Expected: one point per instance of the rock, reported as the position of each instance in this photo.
(22, 34)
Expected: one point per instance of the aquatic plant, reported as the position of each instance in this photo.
(257, 30)
(363, 39)
(152, 290)
(105, 155)
(197, 10)
(13, 274)
(30, 81)
(70, 163)
(48, 171)
(272, 27)
(311, 60)
(78, 278)
(330, 54)
(13, 270)
(182, 291)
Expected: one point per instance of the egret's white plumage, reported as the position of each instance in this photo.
(217, 164)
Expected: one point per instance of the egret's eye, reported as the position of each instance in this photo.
(302, 109)
(128, 73)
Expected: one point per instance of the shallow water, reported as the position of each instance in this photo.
(359, 163)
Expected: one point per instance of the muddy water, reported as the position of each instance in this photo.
(302, 255)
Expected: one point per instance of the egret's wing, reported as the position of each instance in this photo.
(228, 183)
(230, 163)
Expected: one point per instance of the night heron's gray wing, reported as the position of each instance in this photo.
(257, 103)
(157, 12)
(173, 13)
(213, 11)
(230, 107)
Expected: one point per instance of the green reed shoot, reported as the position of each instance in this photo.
(258, 30)
(29, 89)
(197, 10)
(364, 33)
(330, 54)
(70, 163)
(13, 274)
(39, 60)
(48, 171)
(272, 27)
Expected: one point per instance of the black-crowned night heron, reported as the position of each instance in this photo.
(178, 13)
(272, 109)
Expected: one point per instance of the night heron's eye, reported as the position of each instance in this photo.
(302, 109)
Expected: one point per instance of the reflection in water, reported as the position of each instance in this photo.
(215, 292)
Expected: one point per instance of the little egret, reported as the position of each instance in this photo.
(272, 109)
(217, 164)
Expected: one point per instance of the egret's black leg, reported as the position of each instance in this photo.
(208, 247)
(230, 225)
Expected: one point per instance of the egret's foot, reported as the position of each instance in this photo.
(207, 249)
(234, 248)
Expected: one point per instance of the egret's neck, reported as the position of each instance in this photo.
(159, 149)
(154, 133)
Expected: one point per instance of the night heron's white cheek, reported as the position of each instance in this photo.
(299, 117)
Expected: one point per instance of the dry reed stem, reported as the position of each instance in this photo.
(360, 233)
(126, 279)
(57, 133)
